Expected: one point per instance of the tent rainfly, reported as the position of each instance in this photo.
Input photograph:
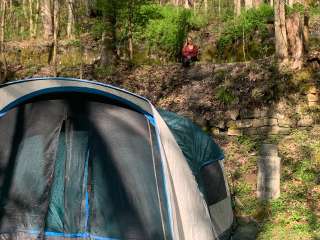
(85, 160)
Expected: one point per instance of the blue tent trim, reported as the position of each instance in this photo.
(67, 235)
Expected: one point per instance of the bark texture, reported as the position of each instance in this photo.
(294, 27)
(47, 18)
(71, 19)
(281, 42)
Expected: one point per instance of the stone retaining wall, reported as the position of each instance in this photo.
(276, 119)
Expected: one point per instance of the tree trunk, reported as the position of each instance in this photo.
(306, 32)
(130, 33)
(3, 63)
(31, 25)
(248, 4)
(205, 6)
(294, 27)
(281, 42)
(257, 3)
(108, 49)
(71, 19)
(237, 7)
(291, 2)
(186, 4)
(36, 19)
(106, 55)
(47, 18)
(56, 11)
(2, 24)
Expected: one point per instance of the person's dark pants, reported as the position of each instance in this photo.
(186, 61)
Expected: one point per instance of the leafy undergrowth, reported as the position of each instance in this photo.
(296, 214)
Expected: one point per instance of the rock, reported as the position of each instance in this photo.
(273, 130)
(245, 123)
(313, 97)
(262, 112)
(284, 130)
(233, 114)
(264, 122)
(257, 123)
(234, 132)
(284, 121)
(250, 131)
(215, 131)
(313, 90)
(305, 121)
(245, 113)
(313, 104)
(219, 124)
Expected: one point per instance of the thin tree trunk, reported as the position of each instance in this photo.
(306, 31)
(71, 19)
(108, 48)
(205, 6)
(281, 42)
(47, 18)
(130, 34)
(25, 15)
(291, 2)
(31, 26)
(237, 7)
(257, 3)
(248, 4)
(36, 19)
(56, 11)
(294, 27)
(3, 24)
(3, 61)
(186, 4)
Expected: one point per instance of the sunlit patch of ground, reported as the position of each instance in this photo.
(296, 214)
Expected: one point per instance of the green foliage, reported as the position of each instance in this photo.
(315, 8)
(97, 28)
(198, 21)
(248, 143)
(225, 95)
(250, 23)
(295, 8)
(165, 28)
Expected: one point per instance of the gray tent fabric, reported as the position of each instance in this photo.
(84, 160)
(205, 158)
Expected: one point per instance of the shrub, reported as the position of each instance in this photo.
(250, 22)
(165, 28)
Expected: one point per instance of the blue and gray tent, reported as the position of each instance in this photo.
(85, 160)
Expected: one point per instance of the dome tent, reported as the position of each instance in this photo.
(205, 159)
(85, 160)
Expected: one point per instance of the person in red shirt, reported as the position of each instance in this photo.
(189, 53)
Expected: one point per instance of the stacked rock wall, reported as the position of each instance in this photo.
(277, 119)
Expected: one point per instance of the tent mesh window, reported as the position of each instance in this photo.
(80, 167)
